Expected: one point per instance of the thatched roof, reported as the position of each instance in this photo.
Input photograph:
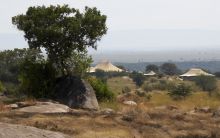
(196, 72)
(105, 66)
(151, 73)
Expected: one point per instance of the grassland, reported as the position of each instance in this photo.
(116, 84)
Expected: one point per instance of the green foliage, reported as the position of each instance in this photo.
(102, 91)
(10, 61)
(37, 78)
(157, 84)
(126, 89)
(169, 69)
(152, 67)
(138, 78)
(143, 94)
(63, 32)
(1, 88)
(180, 91)
(78, 64)
(207, 83)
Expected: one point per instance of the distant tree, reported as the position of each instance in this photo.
(10, 63)
(169, 69)
(152, 67)
(62, 31)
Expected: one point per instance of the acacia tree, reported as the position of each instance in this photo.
(62, 31)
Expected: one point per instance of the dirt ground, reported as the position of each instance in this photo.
(132, 122)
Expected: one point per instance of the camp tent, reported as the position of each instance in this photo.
(195, 72)
(151, 73)
(105, 66)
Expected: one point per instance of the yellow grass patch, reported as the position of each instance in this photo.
(116, 84)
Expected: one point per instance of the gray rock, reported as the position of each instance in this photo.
(108, 111)
(12, 106)
(203, 109)
(45, 107)
(131, 103)
(19, 131)
(76, 93)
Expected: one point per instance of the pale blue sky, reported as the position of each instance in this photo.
(135, 25)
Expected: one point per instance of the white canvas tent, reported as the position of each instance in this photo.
(105, 66)
(195, 72)
(151, 73)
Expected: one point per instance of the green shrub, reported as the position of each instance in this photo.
(157, 84)
(1, 88)
(126, 89)
(37, 79)
(147, 87)
(207, 83)
(138, 78)
(101, 89)
(143, 94)
(180, 91)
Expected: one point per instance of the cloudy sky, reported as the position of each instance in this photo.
(140, 25)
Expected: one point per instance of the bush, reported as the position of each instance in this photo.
(126, 89)
(101, 89)
(1, 88)
(180, 91)
(143, 94)
(157, 84)
(138, 78)
(207, 83)
(37, 79)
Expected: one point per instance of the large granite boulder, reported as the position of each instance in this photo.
(19, 131)
(76, 93)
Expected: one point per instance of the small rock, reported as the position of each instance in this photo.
(108, 111)
(12, 106)
(132, 103)
(24, 104)
(203, 110)
(172, 107)
(178, 116)
(128, 118)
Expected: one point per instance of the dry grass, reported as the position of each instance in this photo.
(116, 84)
(79, 126)
(197, 99)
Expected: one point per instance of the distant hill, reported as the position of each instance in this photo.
(212, 66)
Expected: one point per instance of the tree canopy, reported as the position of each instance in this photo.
(62, 31)
(169, 69)
(152, 67)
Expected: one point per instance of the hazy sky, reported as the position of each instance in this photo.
(135, 25)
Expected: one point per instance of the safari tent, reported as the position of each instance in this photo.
(105, 66)
(151, 73)
(194, 72)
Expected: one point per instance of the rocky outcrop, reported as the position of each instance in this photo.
(45, 107)
(19, 131)
(76, 93)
